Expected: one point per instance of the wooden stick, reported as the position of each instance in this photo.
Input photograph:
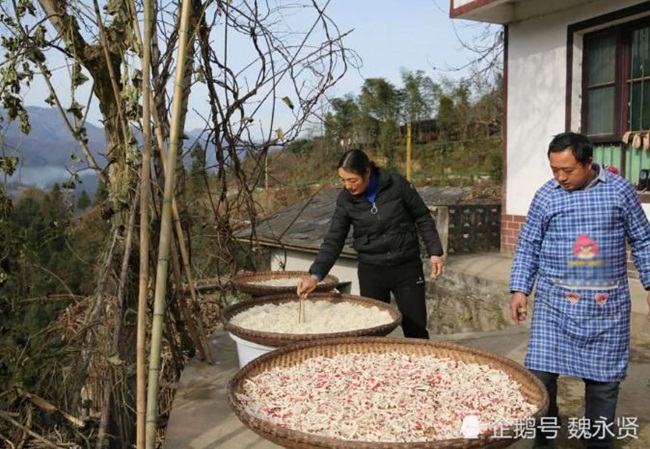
(33, 434)
(301, 309)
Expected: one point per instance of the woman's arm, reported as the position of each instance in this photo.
(333, 242)
(423, 219)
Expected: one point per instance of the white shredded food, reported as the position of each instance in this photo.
(277, 282)
(391, 397)
(321, 317)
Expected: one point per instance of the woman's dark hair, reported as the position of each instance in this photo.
(579, 145)
(355, 161)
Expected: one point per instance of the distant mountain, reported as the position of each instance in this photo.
(45, 153)
(49, 143)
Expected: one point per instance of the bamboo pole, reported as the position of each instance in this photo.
(197, 332)
(143, 292)
(166, 232)
(198, 336)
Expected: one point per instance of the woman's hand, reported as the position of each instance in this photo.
(307, 285)
(437, 265)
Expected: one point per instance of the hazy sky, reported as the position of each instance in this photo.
(387, 35)
(414, 35)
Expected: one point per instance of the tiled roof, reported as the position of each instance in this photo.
(303, 225)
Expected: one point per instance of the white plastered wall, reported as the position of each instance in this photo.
(345, 269)
(537, 71)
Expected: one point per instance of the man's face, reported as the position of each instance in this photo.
(571, 174)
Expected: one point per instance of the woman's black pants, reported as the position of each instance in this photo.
(406, 283)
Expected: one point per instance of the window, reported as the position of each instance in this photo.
(616, 96)
(601, 84)
(638, 80)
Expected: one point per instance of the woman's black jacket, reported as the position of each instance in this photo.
(388, 237)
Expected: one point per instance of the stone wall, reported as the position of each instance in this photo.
(461, 303)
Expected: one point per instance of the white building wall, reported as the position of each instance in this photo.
(535, 110)
(537, 58)
(345, 269)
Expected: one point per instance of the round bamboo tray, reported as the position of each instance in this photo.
(247, 282)
(276, 339)
(532, 389)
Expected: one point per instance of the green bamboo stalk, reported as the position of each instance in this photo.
(166, 232)
(198, 335)
(194, 324)
(143, 292)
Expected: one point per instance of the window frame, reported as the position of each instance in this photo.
(576, 114)
(623, 34)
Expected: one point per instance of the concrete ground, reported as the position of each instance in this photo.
(201, 417)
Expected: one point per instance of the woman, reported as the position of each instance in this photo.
(386, 214)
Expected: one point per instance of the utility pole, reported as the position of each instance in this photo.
(408, 151)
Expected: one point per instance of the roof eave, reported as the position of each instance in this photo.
(490, 11)
(302, 249)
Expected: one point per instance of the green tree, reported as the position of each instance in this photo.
(420, 99)
(37, 260)
(420, 96)
(301, 147)
(379, 102)
(84, 201)
(101, 194)
(340, 124)
(198, 162)
(454, 111)
(198, 170)
(379, 99)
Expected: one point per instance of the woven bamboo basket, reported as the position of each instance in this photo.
(532, 389)
(276, 339)
(248, 282)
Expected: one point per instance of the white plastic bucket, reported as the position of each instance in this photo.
(248, 351)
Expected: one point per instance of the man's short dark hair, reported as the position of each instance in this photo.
(579, 144)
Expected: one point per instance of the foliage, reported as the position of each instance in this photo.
(456, 123)
(300, 147)
(83, 201)
(340, 124)
(419, 96)
(42, 269)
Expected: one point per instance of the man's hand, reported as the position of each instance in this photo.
(437, 266)
(648, 301)
(518, 307)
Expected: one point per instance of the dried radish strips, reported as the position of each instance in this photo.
(389, 397)
(277, 282)
(321, 317)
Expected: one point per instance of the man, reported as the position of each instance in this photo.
(573, 244)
